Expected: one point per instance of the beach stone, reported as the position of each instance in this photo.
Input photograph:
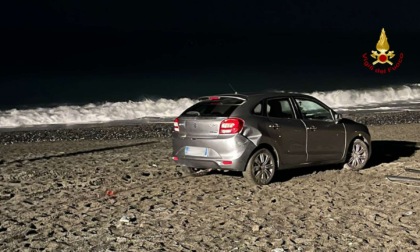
(126, 177)
(124, 219)
(146, 174)
(256, 228)
(278, 250)
(121, 239)
(7, 196)
(302, 241)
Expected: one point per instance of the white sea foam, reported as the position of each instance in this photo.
(92, 113)
(405, 97)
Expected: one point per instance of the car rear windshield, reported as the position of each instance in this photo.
(222, 107)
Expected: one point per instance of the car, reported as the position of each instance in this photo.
(259, 134)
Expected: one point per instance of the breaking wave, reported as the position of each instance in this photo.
(402, 97)
(92, 113)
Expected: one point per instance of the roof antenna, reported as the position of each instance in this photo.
(232, 88)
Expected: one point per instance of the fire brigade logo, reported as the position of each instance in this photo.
(382, 56)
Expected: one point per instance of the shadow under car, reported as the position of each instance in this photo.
(384, 151)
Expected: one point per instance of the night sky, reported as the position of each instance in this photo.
(73, 51)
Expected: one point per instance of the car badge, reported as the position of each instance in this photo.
(195, 125)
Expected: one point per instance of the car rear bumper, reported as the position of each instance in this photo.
(227, 153)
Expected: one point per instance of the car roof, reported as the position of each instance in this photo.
(259, 96)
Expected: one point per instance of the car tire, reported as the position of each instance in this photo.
(261, 167)
(191, 171)
(358, 155)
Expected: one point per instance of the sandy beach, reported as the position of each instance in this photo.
(125, 194)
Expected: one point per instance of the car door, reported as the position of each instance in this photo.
(288, 132)
(326, 138)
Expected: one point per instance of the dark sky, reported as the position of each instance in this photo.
(67, 41)
(210, 16)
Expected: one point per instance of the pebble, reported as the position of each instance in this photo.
(256, 228)
(408, 213)
(278, 250)
(125, 219)
(121, 239)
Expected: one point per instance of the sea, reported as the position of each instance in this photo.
(64, 79)
(376, 100)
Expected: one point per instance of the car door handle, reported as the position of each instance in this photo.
(313, 128)
(274, 126)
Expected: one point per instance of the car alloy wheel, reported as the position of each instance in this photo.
(358, 156)
(261, 168)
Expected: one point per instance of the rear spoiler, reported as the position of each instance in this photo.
(220, 97)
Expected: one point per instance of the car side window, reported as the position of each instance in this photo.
(279, 108)
(258, 109)
(312, 110)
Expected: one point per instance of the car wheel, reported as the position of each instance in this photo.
(260, 168)
(192, 171)
(358, 155)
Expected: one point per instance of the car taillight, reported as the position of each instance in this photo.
(231, 126)
(214, 98)
(176, 124)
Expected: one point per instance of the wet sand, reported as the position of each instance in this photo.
(126, 195)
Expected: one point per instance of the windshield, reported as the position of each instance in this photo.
(221, 108)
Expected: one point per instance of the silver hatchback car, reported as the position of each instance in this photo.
(258, 134)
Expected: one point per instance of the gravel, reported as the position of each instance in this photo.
(127, 132)
(406, 117)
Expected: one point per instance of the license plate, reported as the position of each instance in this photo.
(196, 151)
